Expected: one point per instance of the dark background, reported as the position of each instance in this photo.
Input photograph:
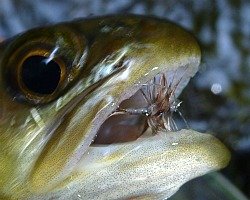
(217, 100)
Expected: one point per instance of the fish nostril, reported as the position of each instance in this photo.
(40, 75)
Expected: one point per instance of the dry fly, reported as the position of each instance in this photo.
(159, 94)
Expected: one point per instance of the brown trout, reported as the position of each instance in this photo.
(59, 84)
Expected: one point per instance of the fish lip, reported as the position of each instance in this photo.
(179, 157)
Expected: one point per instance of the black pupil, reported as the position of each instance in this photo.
(40, 75)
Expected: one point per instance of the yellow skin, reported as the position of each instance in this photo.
(45, 139)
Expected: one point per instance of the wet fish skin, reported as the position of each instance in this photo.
(44, 138)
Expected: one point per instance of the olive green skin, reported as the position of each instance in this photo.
(44, 137)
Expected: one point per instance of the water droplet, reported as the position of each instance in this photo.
(216, 88)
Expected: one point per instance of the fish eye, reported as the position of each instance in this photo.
(40, 74)
(41, 68)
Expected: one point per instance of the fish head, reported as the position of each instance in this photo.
(58, 86)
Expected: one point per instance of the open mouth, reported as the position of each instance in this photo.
(147, 112)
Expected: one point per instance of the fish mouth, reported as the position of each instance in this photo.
(128, 117)
(148, 111)
(145, 107)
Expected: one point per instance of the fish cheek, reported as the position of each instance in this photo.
(64, 149)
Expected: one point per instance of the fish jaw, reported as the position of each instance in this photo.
(149, 168)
